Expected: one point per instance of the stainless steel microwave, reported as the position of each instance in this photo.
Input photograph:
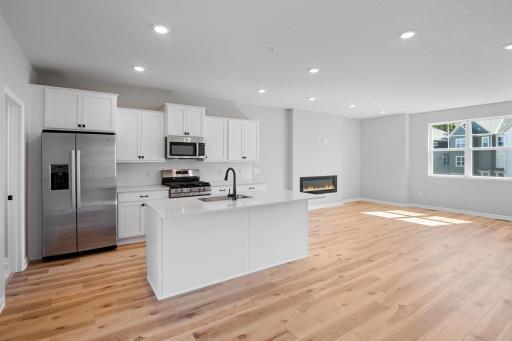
(185, 147)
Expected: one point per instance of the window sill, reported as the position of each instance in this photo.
(464, 177)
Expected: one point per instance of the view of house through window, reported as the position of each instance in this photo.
(490, 147)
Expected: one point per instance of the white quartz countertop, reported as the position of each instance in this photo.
(148, 188)
(185, 206)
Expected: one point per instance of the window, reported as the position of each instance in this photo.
(460, 143)
(449, 143)
(460, 161)
(485, 143)
(500, 141)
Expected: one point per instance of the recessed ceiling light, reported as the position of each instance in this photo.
(407, 34)
(311, 99)
(262, 91)
(508, 47)
(139, 68)
(352, 106)
(383, 112)
(313, 70)
(160, 29)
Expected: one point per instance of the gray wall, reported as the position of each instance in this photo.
(490, 196)
(385, 160)
(15, 73)
(325, 144)
(395, 164)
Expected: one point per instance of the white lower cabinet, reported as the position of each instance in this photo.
(131, 213)
(131, 223)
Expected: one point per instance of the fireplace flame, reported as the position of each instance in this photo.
(312, 188)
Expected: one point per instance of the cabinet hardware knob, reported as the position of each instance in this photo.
(10, 197)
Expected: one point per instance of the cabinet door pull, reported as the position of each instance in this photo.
(250, 187)
(222, 190)
(144, 196)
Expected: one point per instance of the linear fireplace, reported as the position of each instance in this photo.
(319, 184)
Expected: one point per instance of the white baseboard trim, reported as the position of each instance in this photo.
(2, 303)
(383, 202)
(346, 201)
(429, 207)
(131, 240)
(326, 205)
(453, 210)
(24, 264)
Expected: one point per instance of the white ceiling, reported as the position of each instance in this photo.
(221, 48)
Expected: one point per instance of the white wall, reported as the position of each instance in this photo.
(325, 144)
(351, 158)
(477, 194)
(385, 162)
(15, 72)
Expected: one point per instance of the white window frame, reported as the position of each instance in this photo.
(460, 161)
(488, 143)
(468, 150)
(503, 143)
(462, 145)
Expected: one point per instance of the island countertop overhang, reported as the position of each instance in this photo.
(186, 206)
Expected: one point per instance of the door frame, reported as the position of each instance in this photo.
(17, 236)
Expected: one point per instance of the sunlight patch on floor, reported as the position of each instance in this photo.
(407, 213)
(449, 220)
(385, 214)
(412, 217)
(423, 221)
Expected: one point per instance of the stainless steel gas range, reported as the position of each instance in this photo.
(184, 183)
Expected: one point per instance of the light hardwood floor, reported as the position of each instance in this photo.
(367, 278)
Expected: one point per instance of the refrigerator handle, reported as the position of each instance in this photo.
(73, 180)
(78, 181)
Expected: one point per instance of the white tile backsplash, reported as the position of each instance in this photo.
(141, 174)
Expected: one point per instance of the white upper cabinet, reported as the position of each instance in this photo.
(251, 140)
(216, 139)
(175, 120)
(62, 108)
(235, 140)
(152, 136)
(78, 109)
(243, 140)
(185, 120)
(140, 136)
(128, 138)
(99, 111)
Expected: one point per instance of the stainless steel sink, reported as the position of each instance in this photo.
(223, 197)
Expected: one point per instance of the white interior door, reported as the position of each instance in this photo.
(12, 185)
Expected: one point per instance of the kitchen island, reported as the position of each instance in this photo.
(192, 243)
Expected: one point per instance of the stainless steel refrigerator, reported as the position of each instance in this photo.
(78, 191)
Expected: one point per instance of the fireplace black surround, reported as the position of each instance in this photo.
(319, 184)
